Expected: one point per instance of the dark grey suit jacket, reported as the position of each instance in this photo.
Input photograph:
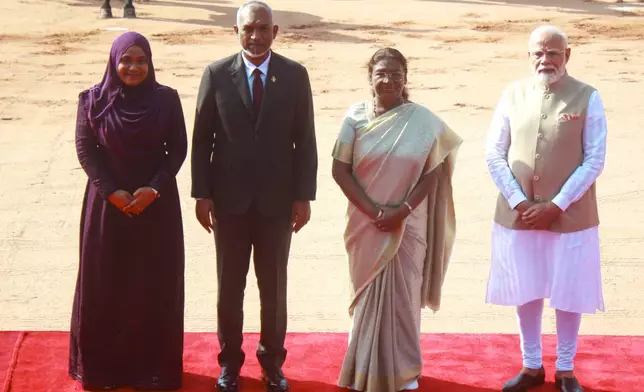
(241, 160)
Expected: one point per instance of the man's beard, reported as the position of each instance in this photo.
(252, 55)
(550, 77)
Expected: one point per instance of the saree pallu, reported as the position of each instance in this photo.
(395, 274)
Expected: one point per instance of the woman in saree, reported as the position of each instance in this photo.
(394, 161)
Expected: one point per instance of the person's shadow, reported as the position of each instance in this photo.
(294, 26)
(200, 383)
(193, 382)
(197, 383)
(582, 7)
(424, 384)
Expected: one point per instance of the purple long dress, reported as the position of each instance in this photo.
(127, 321)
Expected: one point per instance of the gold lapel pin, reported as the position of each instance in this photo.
(273, 79)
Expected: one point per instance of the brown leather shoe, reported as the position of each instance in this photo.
(523, 382)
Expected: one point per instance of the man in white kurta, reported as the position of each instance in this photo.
(545, 149)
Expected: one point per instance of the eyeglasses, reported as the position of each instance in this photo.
(396, 76)
(539, 54)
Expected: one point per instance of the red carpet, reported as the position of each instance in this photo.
(37, 362)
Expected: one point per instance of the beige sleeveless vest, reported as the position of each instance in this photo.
(546, 147)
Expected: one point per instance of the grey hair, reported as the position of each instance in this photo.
(550, 30)
(253, 4)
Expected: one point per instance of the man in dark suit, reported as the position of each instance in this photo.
(254, 168)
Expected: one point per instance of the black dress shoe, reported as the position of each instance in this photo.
(228, 380)
(275, 381)
(97, 388)
(523, 382)
(568, 384)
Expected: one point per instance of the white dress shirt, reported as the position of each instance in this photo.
(250, 68)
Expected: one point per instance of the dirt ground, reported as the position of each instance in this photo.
(462, 54)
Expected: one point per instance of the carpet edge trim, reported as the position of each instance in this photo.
(6, 387)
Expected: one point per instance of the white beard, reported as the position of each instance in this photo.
(252, 55)
(550, 78)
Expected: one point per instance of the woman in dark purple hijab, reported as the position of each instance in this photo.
(127, 321)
